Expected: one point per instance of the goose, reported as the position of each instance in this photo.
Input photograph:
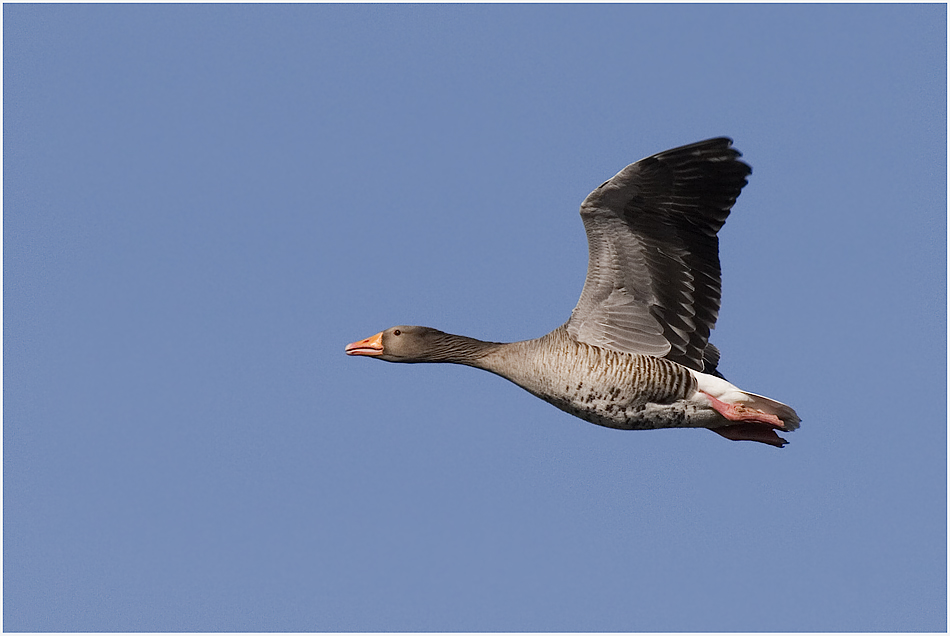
(635, 352)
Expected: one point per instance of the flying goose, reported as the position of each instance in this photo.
(635, 352)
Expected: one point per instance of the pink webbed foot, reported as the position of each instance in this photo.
(752, 425)
(751, 432)
(739, 413)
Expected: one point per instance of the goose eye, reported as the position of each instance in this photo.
(397, 332)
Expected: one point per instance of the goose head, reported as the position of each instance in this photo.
(404, 343)
(408, 343)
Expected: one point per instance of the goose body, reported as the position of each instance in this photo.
(635, 352)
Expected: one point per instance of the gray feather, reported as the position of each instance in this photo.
(653, 276)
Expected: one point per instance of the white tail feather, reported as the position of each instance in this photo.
(731, 394)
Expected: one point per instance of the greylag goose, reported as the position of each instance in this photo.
(635, 352)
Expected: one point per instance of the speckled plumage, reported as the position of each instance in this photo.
(601, 386)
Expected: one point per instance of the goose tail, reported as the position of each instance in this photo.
(767, 405)
(757, 429)
(748, 416)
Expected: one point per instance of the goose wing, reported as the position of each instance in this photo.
(653, 277)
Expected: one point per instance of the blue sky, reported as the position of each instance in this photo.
(204, 203)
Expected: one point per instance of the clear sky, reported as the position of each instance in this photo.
(204, 203)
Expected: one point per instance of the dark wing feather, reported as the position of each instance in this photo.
(653, 277)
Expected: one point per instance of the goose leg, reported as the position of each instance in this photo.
(739, 413)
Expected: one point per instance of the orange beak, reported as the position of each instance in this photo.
(372, 346)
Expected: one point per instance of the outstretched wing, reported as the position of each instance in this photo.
(653, 277)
